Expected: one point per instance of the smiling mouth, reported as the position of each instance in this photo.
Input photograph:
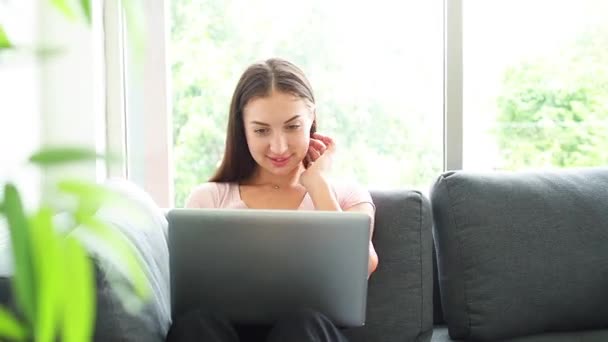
(279, 161)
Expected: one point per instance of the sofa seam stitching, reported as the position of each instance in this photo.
(459, 248)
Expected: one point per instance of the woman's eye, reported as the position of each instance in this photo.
(292, 127)
(261, 131)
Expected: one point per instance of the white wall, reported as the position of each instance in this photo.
(20, 123)
(54, 100)
(19, 111)
(69, 108)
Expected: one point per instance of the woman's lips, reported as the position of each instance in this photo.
(279, 162)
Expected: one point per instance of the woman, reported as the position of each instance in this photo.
(274, 159)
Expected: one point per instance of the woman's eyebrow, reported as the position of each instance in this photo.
(265, 124)
(293, 118)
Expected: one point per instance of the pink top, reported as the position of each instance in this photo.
(227, 196)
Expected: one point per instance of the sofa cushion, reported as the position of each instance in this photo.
(143, 225)
(600, 335)
(522, 253)
(399, 302)
(440, 334)
(115, 322)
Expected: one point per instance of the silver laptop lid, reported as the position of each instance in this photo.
(254, 266)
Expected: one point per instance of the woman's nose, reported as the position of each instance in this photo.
(278, 144)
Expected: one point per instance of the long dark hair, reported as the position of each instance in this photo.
(259, 80)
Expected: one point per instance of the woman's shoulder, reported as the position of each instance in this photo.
(350, 194)
(209, 195)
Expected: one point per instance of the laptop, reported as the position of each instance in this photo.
(255, 266)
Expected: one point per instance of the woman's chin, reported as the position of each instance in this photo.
(282, 170)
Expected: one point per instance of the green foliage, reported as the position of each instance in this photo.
(553, 111)
(86, 9)
(5, 43)
(79, 296)
(53, 279)
(24, 277)
(10, 327)
(62, 155)
(65, 7)
(53, 275)
(74, 10)
(47, 254)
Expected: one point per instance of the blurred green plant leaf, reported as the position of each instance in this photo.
(24, 281)
(86, 9)
(47, 262)
(90, 196)
(135, 23)
(65, 8)
(5, 43)
(10, 327)
(79, 302)
(86, 190)
(61, 155)
(48, 51)
(124, 252)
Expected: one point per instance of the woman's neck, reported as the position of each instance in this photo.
(263, 177)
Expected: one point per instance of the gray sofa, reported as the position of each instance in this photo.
(521, 256)
(400, 304)
(400, 292)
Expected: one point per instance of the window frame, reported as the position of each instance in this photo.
(137, 88)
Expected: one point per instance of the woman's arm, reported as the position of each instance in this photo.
(324, 198)
(368, 209)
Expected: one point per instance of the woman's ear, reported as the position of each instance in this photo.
(313, 127)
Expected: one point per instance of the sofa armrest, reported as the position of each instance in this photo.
(399, 303)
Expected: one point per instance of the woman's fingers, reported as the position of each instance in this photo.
(313, 153)
(318, 145)
(329, 142)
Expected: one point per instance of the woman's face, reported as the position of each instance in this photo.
(277, 128)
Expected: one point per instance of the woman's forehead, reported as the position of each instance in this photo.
(276, 107)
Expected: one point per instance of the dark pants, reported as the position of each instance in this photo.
(303, 326)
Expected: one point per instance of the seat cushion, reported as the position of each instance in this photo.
(569, 336)
(522, 253)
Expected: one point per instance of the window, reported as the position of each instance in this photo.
(535, 84)
(376, 71)
(408, 89)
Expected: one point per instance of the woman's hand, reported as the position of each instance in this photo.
(320, 155)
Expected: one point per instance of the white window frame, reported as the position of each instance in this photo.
(453, 86)
(115, 133)
(148, 157)
(139, 105)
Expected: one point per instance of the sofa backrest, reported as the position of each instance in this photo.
(399, 305)
(522, 253)
(400, 295)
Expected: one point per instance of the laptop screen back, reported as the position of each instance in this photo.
(254, 266)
